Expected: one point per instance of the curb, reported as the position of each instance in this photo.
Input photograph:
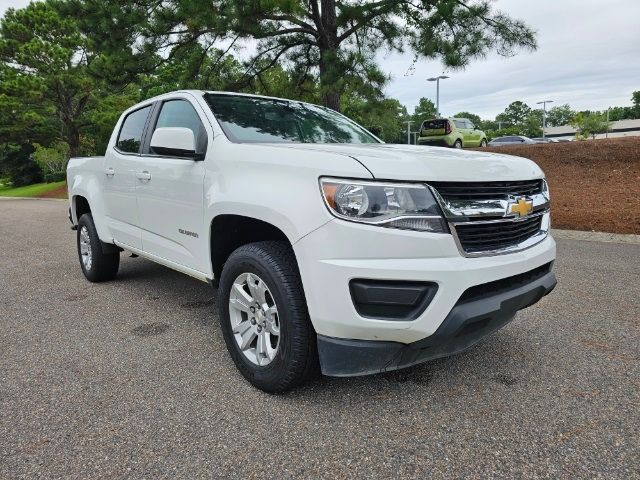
(596, 236)
(33, 198)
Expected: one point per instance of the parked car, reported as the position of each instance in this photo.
(544, 140)
(511, 140)
(328, 247)
(451, 132)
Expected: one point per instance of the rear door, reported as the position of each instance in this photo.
(120, 165)
(170, 190)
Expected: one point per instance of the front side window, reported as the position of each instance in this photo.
(130, 135)
(255, 119)
(470, 125)
(180, 113)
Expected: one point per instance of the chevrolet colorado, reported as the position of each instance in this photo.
(329, 247)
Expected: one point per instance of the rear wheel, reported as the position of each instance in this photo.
(97, 265)
(264, 319)
(457, 144)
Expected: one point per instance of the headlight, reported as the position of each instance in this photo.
(394, 205)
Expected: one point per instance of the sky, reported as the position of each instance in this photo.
(588, 56)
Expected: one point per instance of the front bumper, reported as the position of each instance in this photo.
(478, 313)
(330, 257)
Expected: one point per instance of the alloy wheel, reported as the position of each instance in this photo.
(254, 319)
(85, 248)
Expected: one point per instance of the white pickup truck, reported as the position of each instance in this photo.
(330, 248)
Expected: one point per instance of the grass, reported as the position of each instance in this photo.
(35, 190)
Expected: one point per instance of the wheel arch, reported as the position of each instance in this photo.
(227, 232)
(79, 206)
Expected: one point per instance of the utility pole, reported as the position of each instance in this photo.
(437, 80)
(607, 134)
(544, 114)
(408, 122)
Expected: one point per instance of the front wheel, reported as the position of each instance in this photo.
(483, 142)
(457, 144)
(264, 319)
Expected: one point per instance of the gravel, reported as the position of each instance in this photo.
(131, 378)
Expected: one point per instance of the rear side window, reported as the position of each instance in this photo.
(459, 124)
(131, 131)
(180, 113)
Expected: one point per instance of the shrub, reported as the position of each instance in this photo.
(52, 160)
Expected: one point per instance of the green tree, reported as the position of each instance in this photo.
(532, 126)
(45, 56)
(475, 119)
(52, 160)
(16, 165)
(382, 116)
(560, 115)
(635, 99)
(517, 114)
(590, 124)
(338, 39)
(424, 110)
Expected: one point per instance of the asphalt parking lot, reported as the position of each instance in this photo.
(132, 379)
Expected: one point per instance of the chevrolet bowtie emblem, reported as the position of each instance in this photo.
(522, 207)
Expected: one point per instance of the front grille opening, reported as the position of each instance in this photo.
(485, 237)
(504, 284)
(456, 191)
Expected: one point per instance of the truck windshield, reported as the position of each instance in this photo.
(256, 119)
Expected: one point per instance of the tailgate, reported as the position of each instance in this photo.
(433, 128)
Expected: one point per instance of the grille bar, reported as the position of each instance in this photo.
(453, 191)
(485, 237)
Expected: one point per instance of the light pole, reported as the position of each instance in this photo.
(544, 114)
(607, 134)
(437, 80)
(408, 122)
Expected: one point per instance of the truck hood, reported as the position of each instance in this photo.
(410, 162)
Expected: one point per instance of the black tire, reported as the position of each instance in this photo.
(296, 359)
(103, 265)
(483, 142)
(457, 144)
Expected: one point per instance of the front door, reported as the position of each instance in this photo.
(170, 192)
(476, 136)
(120, 165)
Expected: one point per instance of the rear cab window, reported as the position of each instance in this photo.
(130, 136)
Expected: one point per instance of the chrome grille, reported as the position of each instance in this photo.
(456, 191)
(483, 237)
(482, 218)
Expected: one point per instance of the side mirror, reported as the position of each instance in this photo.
(174, 142)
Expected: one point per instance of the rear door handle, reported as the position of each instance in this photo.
(143, 175)
(109, 172)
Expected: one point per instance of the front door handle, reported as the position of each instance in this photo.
(143, 175)
(109, 172)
